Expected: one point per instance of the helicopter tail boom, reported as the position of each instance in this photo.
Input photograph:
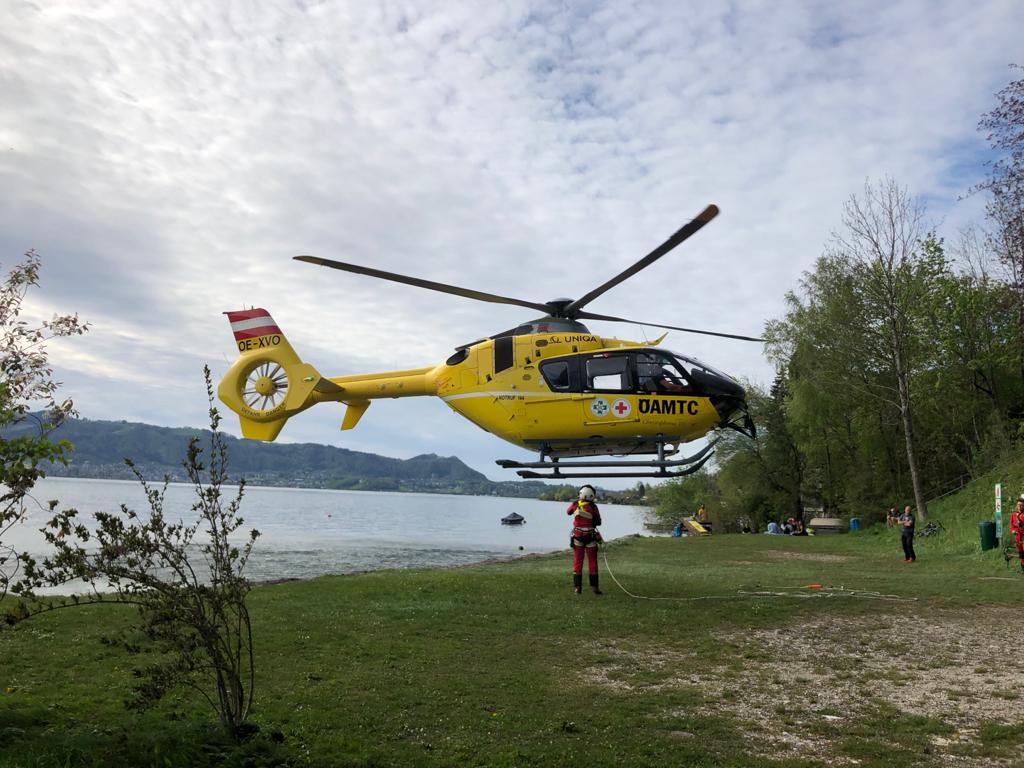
(269, 383)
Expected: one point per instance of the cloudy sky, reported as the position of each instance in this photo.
(167, 160)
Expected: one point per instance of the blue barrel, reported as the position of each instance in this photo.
(987, 531)
(854, 523)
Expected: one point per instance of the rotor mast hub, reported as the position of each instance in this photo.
(558, 306)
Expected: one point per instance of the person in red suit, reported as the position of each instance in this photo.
(1017, 526)
(585, 538)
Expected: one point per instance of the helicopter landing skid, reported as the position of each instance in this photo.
(554, 467)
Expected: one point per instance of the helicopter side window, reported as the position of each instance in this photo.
(556, 374)
(608, 373)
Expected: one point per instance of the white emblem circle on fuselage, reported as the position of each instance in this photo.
(599, 407)
(621, 408)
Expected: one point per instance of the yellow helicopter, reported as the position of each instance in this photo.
(550, 385)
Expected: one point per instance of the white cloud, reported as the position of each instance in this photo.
(167, 161)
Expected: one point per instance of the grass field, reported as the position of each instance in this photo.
(501, 665)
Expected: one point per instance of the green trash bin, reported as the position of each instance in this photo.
(987, 530)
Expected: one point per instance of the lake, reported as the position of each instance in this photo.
(308, 532)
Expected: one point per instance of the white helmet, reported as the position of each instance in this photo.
(587, 493)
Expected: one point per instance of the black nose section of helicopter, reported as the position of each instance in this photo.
(729, 399)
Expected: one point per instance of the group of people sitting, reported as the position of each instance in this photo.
(791, 527)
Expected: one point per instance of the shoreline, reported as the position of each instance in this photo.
(489, 560)
(454, 566)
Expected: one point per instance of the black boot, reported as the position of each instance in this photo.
(593, 584)
(577, 583)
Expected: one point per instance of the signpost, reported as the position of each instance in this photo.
(999, 511)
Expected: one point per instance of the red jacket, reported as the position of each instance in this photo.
(587, 517)
(1017, 522)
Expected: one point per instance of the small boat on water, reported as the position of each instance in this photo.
(514, 519)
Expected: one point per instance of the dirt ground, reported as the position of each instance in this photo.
(946, 667)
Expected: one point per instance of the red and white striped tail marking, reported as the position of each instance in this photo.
(250, 323)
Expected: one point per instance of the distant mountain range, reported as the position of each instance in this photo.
(102, 446)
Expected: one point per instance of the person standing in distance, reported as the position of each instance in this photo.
(585, 538)
(906, 521)
(702, 517)
(1017, 526)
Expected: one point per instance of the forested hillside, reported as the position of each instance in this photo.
(100, 448)
(899, 360)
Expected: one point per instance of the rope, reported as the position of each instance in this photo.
(808, 591)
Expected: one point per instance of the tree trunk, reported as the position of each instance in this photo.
(903, 385)
(827, 503)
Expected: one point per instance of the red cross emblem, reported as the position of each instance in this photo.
(621, 408)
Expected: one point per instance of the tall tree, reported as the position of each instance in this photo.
(883, 240)
(841, 404)
(782, 456)
(859, 335)
(972, 388)
(1004, 126)
(762, 477)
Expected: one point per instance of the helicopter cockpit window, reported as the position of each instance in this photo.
(608, 373)
(660, 374)
(556, 374)
(700, 367)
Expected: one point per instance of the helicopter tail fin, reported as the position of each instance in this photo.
(255, 330)
(268, 383)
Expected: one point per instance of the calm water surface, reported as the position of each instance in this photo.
(309, 533)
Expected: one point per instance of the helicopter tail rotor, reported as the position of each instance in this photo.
(268, 383)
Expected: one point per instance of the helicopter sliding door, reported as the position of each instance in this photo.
(642, 393)
(609, 380)
(615, 397)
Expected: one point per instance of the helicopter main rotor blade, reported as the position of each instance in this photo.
(428, 284)
(684, 232)
(592, 316)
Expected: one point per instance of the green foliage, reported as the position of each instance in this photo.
(560, 493)
(26, 383)
(636, 495)
(681, 497)
(757, 480)
(898, 375)
(186, 580)
(860, 336)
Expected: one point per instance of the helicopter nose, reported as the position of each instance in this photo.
(734, 414)
(727, 396)
(730, 401)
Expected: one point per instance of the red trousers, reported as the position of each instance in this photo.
(577, 560)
